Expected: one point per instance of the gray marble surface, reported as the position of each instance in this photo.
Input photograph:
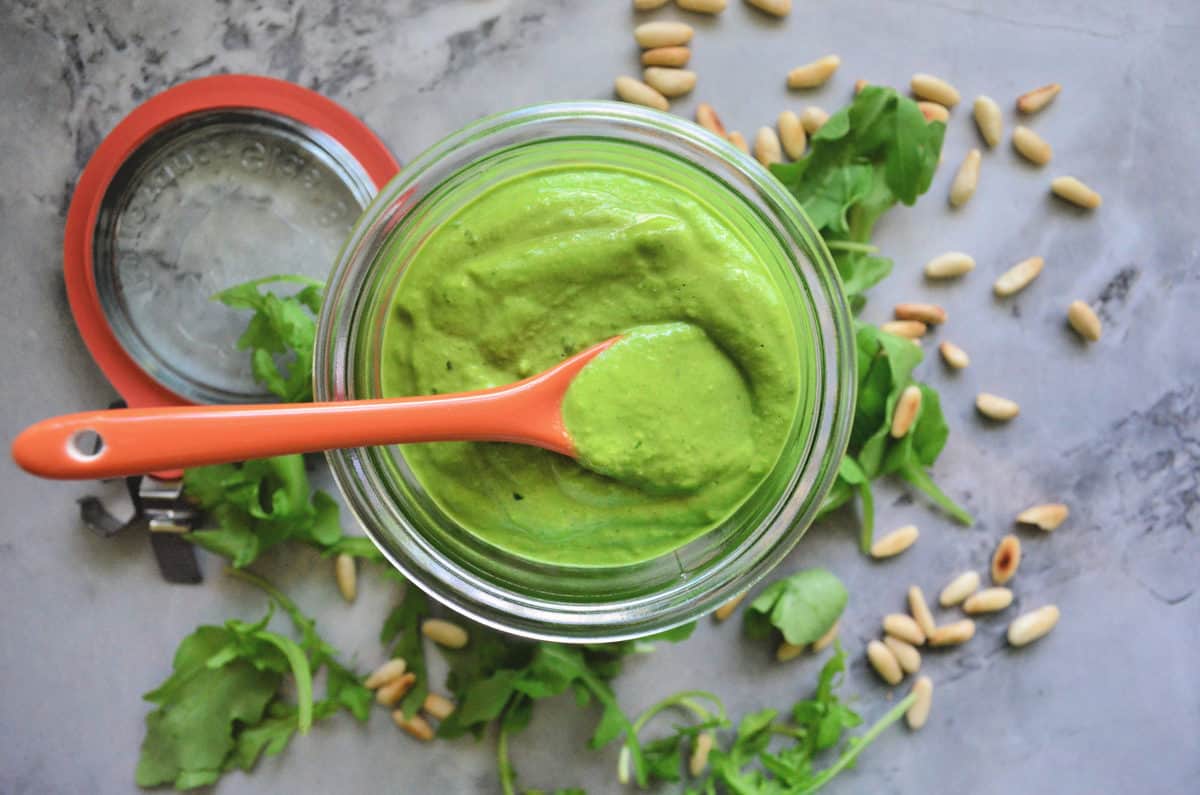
(1110, 702)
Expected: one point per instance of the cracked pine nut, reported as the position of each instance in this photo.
(905, 413)
(438, 706)
(912, 329)
(767, 148)
(904, 627)
(929, 314)
(1027, 628)
(1006, 559)
(918, 713)
(345, 571)
(445, 633)
(813, 118)
(666, 56)
(792, 135)
(811, 75)
(707, 118)
(895, 542)
(920, 610)
(934, 89)
(670, 83)
(949, 265)
(663, 34)
(932, 111)
(966, 179)
(1031, 146)
(1074, 191)
(995, 407)
(906, 653)
(392, 669)
(637, 92)
(395, 690)
(884, 662)
(778, 8)
(1047, 517)
(1018, 277)
(989, 120)
(989, 600)
(953, 355)
(415, 726)
(959, 589)
(1033, 101)
(953, 634)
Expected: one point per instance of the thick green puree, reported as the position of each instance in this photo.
(675, 425)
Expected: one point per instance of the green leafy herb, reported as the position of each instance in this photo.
(803, 607)
(403, 626)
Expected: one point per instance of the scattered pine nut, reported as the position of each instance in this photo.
(995, 407)
(1018, 277)
(932, 111)
(663, 34)
(904, 627)
(667, 56)
(989, 600)
(1006, 559)
(416, 726)
(1084, 320)
(669, 82)
(949, 265)
(438, 706)
(779, 8)
(826, 639)
(392, 669)
(959, 589)
(895, 542)
(906, 653)
(929, 314)
(345, 571)
(1027, 628)
(912, 329)
(707, 118)
(934, 89)
(1031, 146)
(739, 141)
(918, 713)
(648, 5)
(989, 120)
(953, 355)
(767, 148)
(813, 118)
(859, 85)
(811, 75)
(1047, 517)
(698, 761)
(639, 93)
(1075, 192)
(966, 180)
(1033, 101)
(444, 633)
(396, 689)
(788, 651)
(884, 662)
(905, 413)
(920, 610)
(726, 610)
(792, 135)
(953, 634)
(702, 6)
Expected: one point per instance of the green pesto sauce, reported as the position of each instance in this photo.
(548, 263)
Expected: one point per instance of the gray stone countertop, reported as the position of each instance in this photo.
(1110, 702)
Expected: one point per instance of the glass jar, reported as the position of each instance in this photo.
(577, 603)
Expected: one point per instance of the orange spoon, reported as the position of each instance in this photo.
(135, 441)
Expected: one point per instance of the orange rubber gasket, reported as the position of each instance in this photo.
(280, 97)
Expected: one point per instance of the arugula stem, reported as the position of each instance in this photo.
(685, 699)
(850, 245)
(247, 576)
(917, 476)
(508, 778)
(866, 533)
(601, 693)
(847, 758)
(294, 278)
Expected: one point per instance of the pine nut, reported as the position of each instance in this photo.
(953, 355)
(345, 571)
(396, 689)
(1033, 101)
(698, 761)
(918, 713)
(959, 589)
(989, 120)
(966, 180)
(662, 34)
(989, 600)
(859, 85)
(895, 542)
(1018, 277)
(949, 265)
(788, 651)
(912, 329)
(392, 669)
(767, 148)
(779, 8)
(995, 407)
(648, 5)
(1027, 628)
(811, 75)
(934, 89)
(726, 610)
(812, 118)
(639, 93)
(906, 653)
(445, 633)
(707, 118)
(820, 643)
(953, 634)
(932, 111)
(739, 141)
(666, 56)
(1031, 146)
(920, 610)
(792, 135)
(929, 314)
(1047, 517)
(669, 82)
(884, 662)
(903, 627)
(702, 6)
(905, 413)
(1006, 559)
(438, 706)
(1075, 192)
(416, 726)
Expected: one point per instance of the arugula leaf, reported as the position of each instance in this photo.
(803, 607)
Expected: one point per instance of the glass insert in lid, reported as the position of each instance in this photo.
(213, 200)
